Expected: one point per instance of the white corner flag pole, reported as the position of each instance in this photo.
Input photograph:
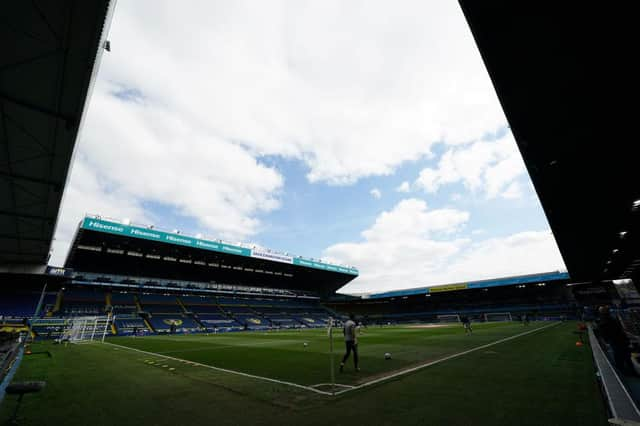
(331, 368)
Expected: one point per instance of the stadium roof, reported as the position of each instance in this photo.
(49, 55)
(110, 247)
(561, 71)
(519, 279)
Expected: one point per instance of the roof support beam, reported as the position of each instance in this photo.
(56, 185)
(21, 238)
(24, 215)
(70, 120)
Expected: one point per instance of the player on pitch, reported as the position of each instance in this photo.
(351, 342)
(466, 323)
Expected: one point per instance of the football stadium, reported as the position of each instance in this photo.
(145, 324)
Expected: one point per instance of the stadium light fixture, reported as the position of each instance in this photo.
(636, 205)
(622, 234)
(615, 250)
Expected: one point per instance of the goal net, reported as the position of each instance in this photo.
(88, 329)
(498, 316)
(448, 318)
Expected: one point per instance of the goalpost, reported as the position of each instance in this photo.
(88, 329)
(449, 318)
(498, 316)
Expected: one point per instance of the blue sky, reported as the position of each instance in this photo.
(344, 131)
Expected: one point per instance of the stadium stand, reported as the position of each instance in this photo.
(539, 300)
(165, 315)
(209, 315)
(18, 305)
(126, 312)
(557, 137)
(82, 302)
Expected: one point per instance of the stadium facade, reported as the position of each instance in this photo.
(148, 281)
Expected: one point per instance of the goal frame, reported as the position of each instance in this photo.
(88, 329)
(456, 316)
(508, 315)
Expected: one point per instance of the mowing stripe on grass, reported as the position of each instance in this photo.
(349, 387)
(428, 364)
(240, 373)
(218, 346)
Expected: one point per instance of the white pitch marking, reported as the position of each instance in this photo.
(332, 384)
(349, 387)
(267, 379)
(428, 364)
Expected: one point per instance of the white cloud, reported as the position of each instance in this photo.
(488, 167)
(375, 193)
(133, 153)
(94, 194)
(404, 187)
(410, 218)
(513, 191)
(159, 155)
(353, 90)
(404, 248)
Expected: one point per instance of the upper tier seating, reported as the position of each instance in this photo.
(82, 302)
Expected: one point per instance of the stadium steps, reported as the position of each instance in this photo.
(140, 311)
(197, 321)
(190, 314)
(148, 324)
(226, 314)
(260, 315)
(138, 304)
(185, 308)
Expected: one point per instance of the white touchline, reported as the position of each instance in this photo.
(428, 364)
(349, 387)
(240, 373)
(332, 384)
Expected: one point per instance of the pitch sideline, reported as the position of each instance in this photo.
(240, 373)
(350, 388)
(446, 358)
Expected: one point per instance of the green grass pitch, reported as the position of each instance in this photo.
(539, 378)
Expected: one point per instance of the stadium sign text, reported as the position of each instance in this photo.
(451, 287)
(261, 254)
(109, 227)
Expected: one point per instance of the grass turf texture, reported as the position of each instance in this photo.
(540, 378)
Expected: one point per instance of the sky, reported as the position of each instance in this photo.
(363, 133)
